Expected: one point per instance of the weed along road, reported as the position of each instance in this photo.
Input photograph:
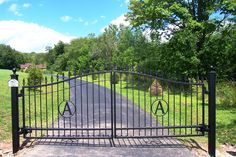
(97, 121)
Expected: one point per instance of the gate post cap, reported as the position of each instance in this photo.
(14, 71)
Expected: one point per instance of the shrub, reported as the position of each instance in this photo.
(35, 76)
(226, 92)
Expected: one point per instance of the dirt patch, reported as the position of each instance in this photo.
(200, 149)
(230, 149)
(5, 149)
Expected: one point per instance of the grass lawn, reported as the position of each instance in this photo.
(5, 103)
(40, 104)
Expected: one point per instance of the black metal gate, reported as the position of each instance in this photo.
(112, 103)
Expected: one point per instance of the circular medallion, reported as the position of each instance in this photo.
(66, 109)
(159, 107)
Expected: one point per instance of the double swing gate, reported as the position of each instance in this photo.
(112, 103)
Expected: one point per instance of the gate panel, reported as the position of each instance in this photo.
(123, 103)
(155, 107)
(67, 108)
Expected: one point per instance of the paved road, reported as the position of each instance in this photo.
(90, 106)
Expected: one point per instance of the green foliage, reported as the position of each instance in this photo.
(35, 76)
(226, 93)
(10, 58)
(198, 38)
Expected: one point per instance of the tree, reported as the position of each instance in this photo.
(194, 20)
(10, 58)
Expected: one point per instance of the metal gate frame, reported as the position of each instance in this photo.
(210, 128)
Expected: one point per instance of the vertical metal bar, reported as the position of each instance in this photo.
(174, 107)
(105, 94)
(99, 104)
(168, 100)
(52, 104)
(133, 98)
(127, 101)
(180, 111)
(81, 101)
(145, 111)
(40, 105)
(139, 105)
(197, 105)
(23, 106)
(191, 113)
(114, 86)
(186, 114)
(157, 94)
(29, 96)
(75, 98)
(87, 114)
(93, 102)
(63, 97)
(112, 112)
(203, 105)
(46, 101)
(212, 113)
(150, 106)
(69, 96)
(162, 117)
(35, 108)
(58, 105)
(15, 115)
(121, 103)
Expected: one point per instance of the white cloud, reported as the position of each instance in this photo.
(15, 9)
(29, 37)
(66, 18)
(102, 16)
(121, 20)
(94, 22)
(2, 1)
(26, 5)
(127, 2)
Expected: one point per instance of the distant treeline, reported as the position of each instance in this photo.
(10, 58)
(125, 47)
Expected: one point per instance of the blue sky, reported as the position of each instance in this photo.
(65, 19)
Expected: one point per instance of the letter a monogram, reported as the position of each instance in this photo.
(67, 108)
(160, 107)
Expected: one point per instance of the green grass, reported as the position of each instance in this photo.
(40, 107)
(5, 103)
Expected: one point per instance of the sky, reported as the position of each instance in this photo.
(31, 25)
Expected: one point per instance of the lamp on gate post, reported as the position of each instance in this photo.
(212, 113)
(13, 83)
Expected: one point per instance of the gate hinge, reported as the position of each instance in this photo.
(20, 94)
(203, 128)
(205, 90)
(25, 131)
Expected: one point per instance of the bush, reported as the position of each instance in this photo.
(35, 76)
(226, 93)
